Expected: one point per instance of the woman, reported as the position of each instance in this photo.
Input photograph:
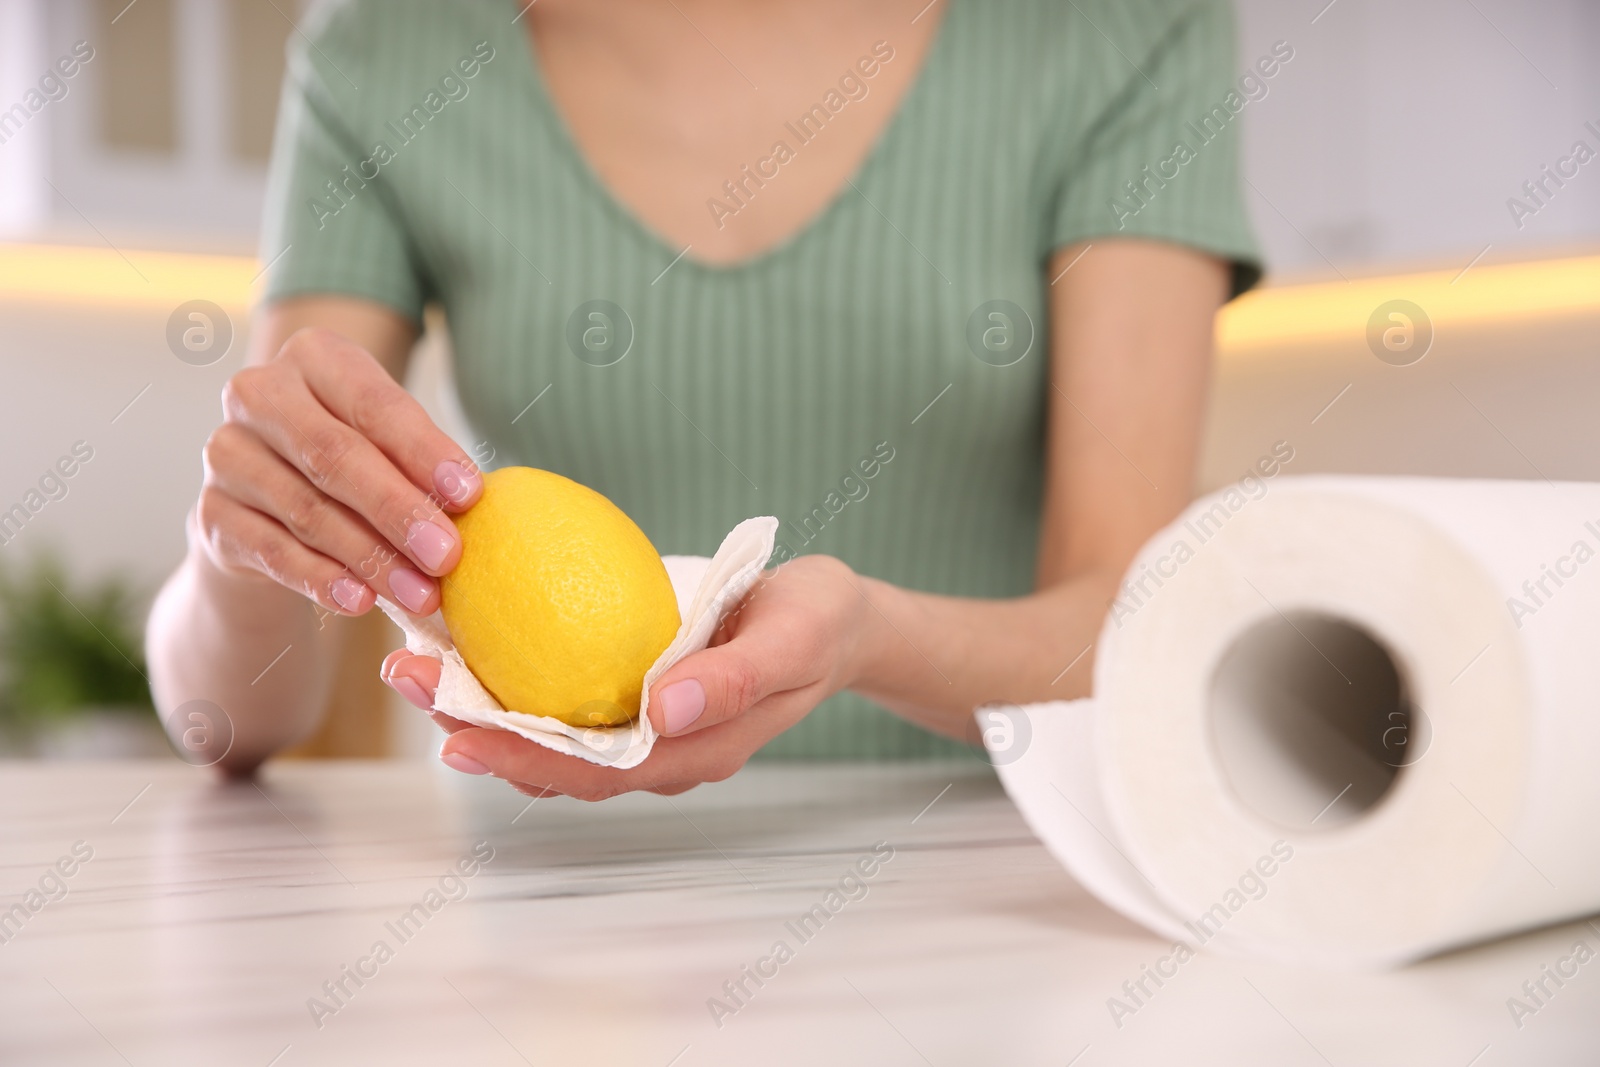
(717, 260)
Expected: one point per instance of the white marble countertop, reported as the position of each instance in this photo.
(207, 917)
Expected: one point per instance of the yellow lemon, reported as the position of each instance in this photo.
(560, 603)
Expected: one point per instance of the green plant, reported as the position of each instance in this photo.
(65, 649)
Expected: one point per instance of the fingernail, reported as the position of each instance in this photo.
(410, 588)
(429, 543)
(465, 764)
(408, 688)
(347, 593)
(455, 482)
(681, 704)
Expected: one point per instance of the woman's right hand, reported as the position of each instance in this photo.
(327, 477)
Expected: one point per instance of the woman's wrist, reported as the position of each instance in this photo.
(932, 659)
(870, 653)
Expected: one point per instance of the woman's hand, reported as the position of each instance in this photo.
(796, 639)
(327, 477)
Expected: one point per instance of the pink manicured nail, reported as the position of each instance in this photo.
(430, 544)
(347, 593)
(681, 704)
(408, 688)
(465, 764)
(455, 483)
(410, 588)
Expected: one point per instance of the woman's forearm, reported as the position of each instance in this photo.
(246, 644)
(275, 502)
(1125, 403)
(933, 659)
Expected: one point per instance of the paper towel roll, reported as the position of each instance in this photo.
(1340, 720)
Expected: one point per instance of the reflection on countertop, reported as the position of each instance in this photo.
(393, 912)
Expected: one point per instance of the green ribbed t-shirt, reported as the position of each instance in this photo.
(877, 381)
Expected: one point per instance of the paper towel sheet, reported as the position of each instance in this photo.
(706, 590)
(1242, 778)
(1055, 783)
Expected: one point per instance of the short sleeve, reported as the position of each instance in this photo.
(331, 222)
(1161, 161)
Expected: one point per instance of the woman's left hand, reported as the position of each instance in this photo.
(796, 639)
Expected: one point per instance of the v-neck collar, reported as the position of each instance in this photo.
(612, 204)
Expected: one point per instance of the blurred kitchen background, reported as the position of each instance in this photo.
(1382, 164)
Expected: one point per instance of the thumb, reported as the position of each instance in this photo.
(706, 688)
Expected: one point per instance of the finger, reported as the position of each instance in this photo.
(389, 662)
(536, 792)
(356, 389)
(240, 463)
(706, 756)
(673, 790)
(336, 459)
(416, 678)
(447, 723)
(710, 755)
(516, 759)
(243, 537)
(714, 685)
